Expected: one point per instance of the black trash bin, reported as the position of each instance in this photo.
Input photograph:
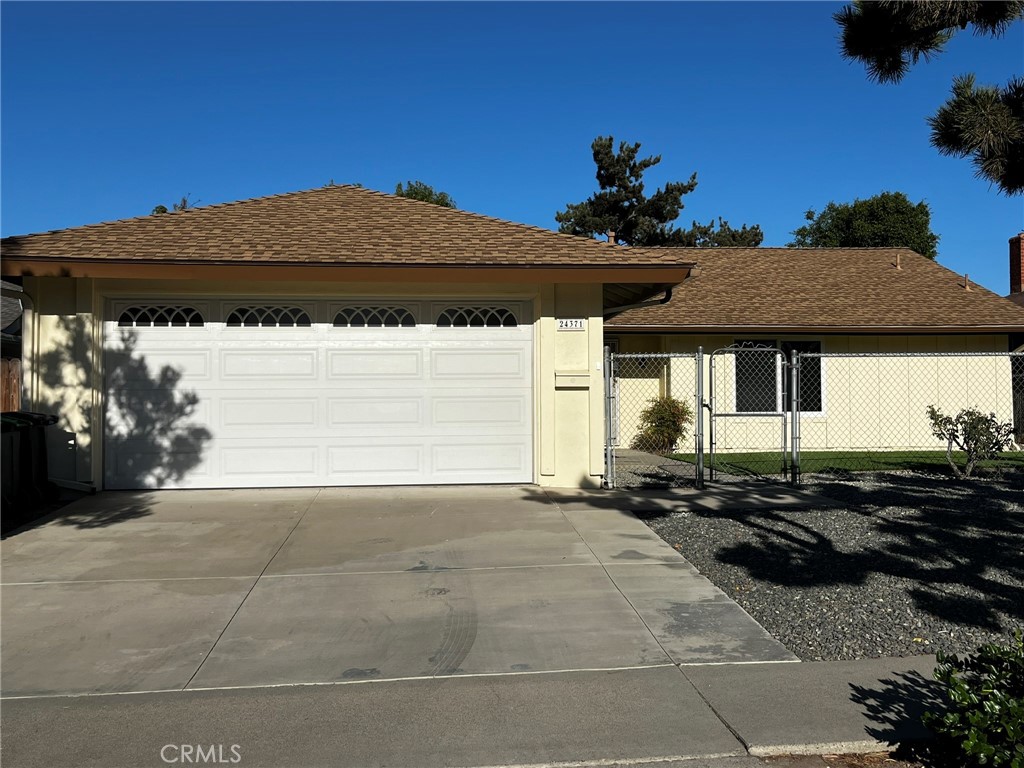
(25, 478)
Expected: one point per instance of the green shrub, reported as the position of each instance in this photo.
(985, 719)
(978, 435)
(663, 423)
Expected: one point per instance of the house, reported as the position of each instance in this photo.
(893, 328)
(336, 336)
(341, 336)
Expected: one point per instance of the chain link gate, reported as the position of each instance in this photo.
(647, 397)
(750, 411)
(735, 413)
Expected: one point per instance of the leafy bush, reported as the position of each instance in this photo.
(663, 423)
(985, 719)
(978, 435)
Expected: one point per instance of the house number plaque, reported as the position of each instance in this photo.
(572, 324)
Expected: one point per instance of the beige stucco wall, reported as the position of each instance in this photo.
(64, 362)
(868, 403)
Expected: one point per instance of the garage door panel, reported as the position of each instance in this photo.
(360, 411)
(270, 459)
(191, 365)
(143, 464)
(261, 365)
(361, 365)
(476, 411)
(269, 412)
(464, 459)
(271, 406)
(140, 409)
(479, 363)
(386, 462)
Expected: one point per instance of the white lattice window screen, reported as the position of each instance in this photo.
(477, 317)
(159, 316)
(268, 317)
(374, 317)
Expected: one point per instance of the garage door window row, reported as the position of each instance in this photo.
(401, 317)
(276, 316)
(374, 317)
(477, 317)
(159, 316)
(269, 317)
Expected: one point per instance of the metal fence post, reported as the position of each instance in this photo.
(711, 414)
(609, 450)
(794, 383)
(699, 420)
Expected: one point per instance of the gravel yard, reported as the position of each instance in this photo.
(905, 564)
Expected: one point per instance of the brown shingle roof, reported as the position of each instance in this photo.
(337, 225)
(827, 288)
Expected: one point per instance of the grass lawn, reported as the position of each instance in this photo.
(768, 462)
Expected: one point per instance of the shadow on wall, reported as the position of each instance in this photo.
(150, 432)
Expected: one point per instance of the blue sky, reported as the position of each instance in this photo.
(111, 108)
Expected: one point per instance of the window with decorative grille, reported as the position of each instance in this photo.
(477, 317)
(159, 316)
(268, 317)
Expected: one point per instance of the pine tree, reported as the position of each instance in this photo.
(620, 206)
(984, 123)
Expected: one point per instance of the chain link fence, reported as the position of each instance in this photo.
(754, 411)
(880, 412)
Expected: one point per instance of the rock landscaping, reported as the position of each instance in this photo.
(903, 564)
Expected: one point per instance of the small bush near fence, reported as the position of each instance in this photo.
(978, 435)
(663, 424)
(985, 716)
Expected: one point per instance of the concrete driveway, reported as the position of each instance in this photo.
(173, 590)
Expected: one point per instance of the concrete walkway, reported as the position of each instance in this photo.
(419, 627)
(720, 716)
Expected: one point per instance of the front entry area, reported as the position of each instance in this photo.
(260, 393)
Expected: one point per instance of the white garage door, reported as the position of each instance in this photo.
(262, 394)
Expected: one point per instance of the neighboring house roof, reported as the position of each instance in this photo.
(336, 225)
(824, 289)
(10, 308)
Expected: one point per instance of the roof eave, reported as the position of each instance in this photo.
(60, 266)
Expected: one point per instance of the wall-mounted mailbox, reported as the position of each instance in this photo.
(572, 379)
